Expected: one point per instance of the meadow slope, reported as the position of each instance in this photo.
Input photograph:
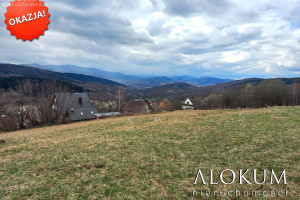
(114, 159)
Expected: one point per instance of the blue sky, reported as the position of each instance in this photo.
(222, 38)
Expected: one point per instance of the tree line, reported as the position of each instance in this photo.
(267, 93)
(29, 103)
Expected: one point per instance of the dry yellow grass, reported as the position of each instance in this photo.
(114, 159)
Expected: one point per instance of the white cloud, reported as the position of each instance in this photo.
(237, 38)
(234, 56)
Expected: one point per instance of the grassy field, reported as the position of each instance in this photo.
(114, 159)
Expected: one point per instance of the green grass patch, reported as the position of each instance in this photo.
(113, 159)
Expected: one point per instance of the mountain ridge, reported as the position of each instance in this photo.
(183, 90)
(98, 88)
(132, 80)
(8, 70)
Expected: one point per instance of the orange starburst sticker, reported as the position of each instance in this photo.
(27, 19)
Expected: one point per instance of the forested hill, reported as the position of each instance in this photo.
(14, 76)
(38, 84)
(10, 70)
(183, 90)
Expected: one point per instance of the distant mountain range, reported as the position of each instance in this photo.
(103, 89)
(99, 88)
(25, 71)
(133, 81)
(181, 90)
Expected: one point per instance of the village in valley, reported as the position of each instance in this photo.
(75, 107)
(33, 97)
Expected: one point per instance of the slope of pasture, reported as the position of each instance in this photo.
(114, 159)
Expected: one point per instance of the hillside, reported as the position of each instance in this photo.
(150, 82)
(98, 88)
(130, 80)
(168, 90)
(183, 90)
(13, 83)
(206, 81)
(114, 159)
(118, 77)
(8, 70)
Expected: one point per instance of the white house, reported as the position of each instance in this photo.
(188, 105)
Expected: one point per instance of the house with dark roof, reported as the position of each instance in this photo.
(73, 107)
(136, 107)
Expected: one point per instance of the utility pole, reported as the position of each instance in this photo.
(119, 100)
(297, 91)
(295, 88)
